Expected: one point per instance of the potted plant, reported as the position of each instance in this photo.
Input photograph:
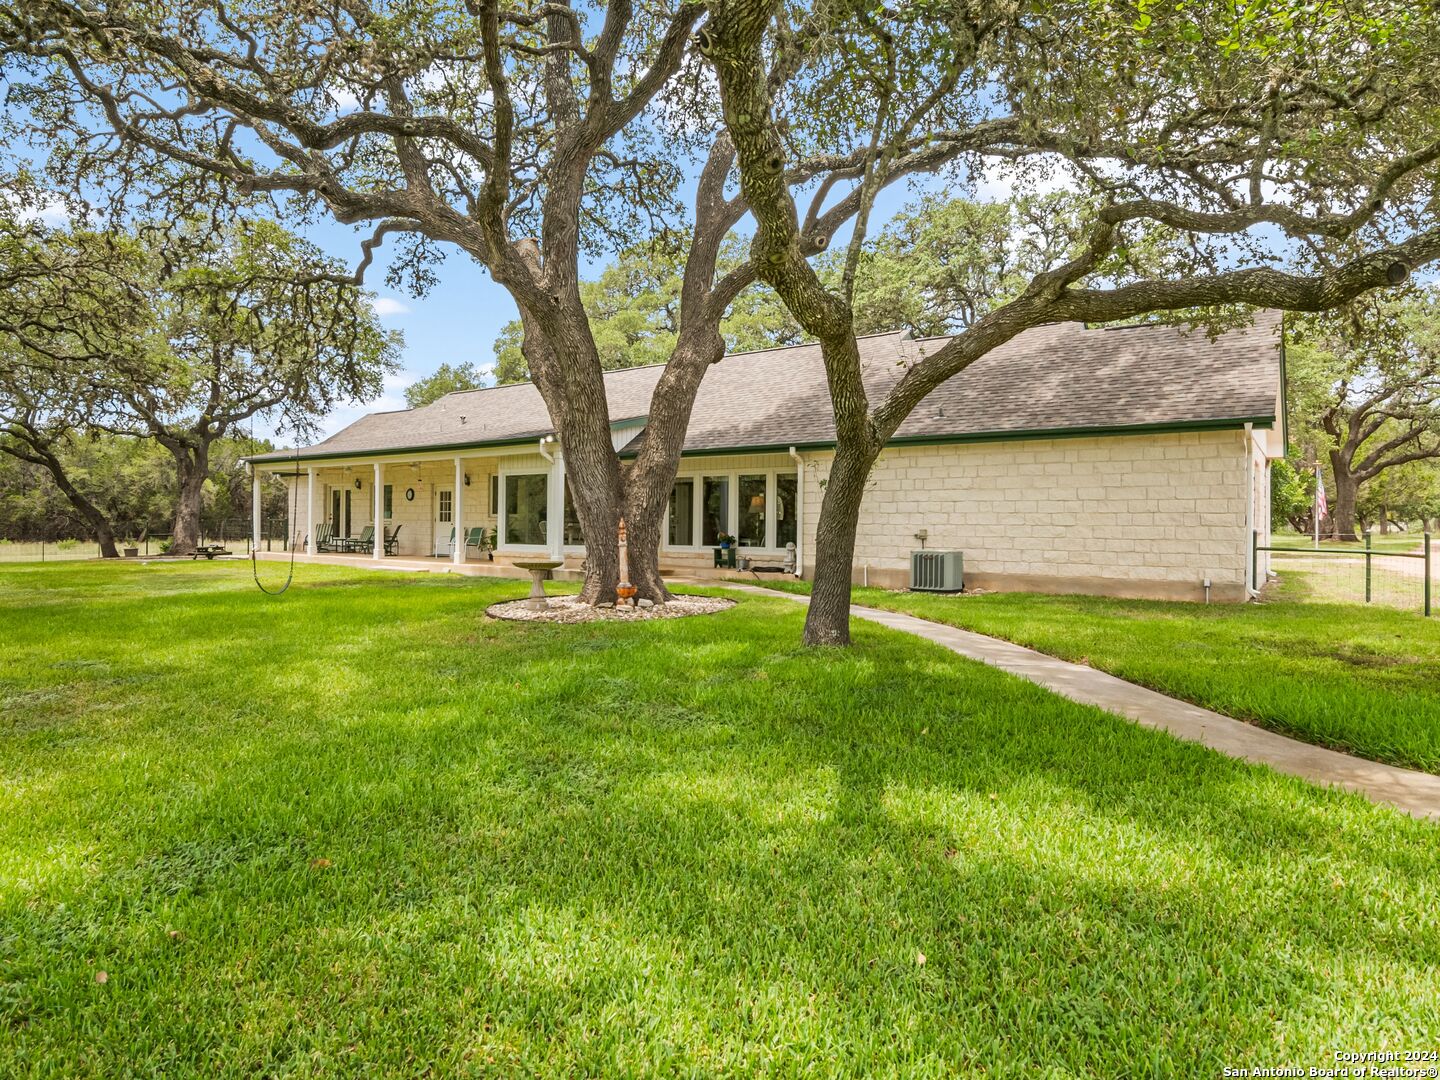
(726, 541)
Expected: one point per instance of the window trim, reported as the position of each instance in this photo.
(501, 524)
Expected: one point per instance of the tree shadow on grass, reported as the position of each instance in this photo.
(693, 846)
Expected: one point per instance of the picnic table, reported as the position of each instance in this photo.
(209, 551)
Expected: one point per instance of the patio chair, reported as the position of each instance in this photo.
(392, 540)
(364, 542)
(321, 539)
(447, 547)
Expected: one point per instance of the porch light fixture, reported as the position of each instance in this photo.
(357, 483)
(467, 479)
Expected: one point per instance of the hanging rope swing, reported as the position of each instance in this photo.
(294, 513)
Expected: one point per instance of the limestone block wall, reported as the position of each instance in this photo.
(1136, 515)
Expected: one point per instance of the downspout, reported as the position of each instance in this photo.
(555, 500)
(799, 512)
(1250, 590)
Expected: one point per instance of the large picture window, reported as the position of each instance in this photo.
(682, 513)
(716, 509)
(752, 511)
(525, 506)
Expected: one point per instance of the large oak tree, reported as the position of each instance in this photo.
(1365, 395)
(521, 134)
(180, 334)
(1279, 155)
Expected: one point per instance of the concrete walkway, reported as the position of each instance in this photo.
(1415, 793)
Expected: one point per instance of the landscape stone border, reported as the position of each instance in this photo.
(565, 609)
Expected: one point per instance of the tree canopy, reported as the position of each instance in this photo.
(178, 333)
(1278, 155)
(1365, 398)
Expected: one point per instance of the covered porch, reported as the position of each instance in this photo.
(480, 509)
(468, 507)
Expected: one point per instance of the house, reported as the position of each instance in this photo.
(1127, 461)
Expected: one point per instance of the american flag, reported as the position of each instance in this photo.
(1322, 509)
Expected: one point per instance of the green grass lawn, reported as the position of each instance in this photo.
(362, 829)
(1361, 679)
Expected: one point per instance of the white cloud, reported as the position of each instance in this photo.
(346, 101)
(387, 306)
(997, 181)
(44, 207)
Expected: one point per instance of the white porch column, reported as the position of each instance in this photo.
(458, 555)
(379, 511)
(255, 508)
(309, 509)
(555, 510)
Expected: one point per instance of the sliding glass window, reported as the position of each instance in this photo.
(752, 511)
(716, 509)
(786, 510)
(682, 513)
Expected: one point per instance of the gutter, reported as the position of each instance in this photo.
(799, 512)
(1250, 589)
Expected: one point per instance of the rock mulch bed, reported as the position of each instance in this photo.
(565, 609)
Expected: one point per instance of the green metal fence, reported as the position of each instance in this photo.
(1350, 573)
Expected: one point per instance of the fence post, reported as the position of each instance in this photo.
(1255, 559)
(1427, 575)
(1367, 568)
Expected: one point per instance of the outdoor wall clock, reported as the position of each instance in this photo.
(409, 494)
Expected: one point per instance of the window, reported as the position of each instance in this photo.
(447, 506)
(752, 511)
(787, 512)
(525, 508)
(494, 494)
(573, 533)
(389, 501)
(682, 513)
(335, 520)
(716, 509)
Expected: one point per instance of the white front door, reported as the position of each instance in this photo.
(444, 520)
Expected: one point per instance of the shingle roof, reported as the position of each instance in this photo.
(1049, 379)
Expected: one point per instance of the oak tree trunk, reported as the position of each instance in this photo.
(192, 464)
(1347, 490)
(39, 453)
(574, 395)
(827, 622)
(99, 524)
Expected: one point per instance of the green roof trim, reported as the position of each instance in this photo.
(290, 457)
(1168, 428)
